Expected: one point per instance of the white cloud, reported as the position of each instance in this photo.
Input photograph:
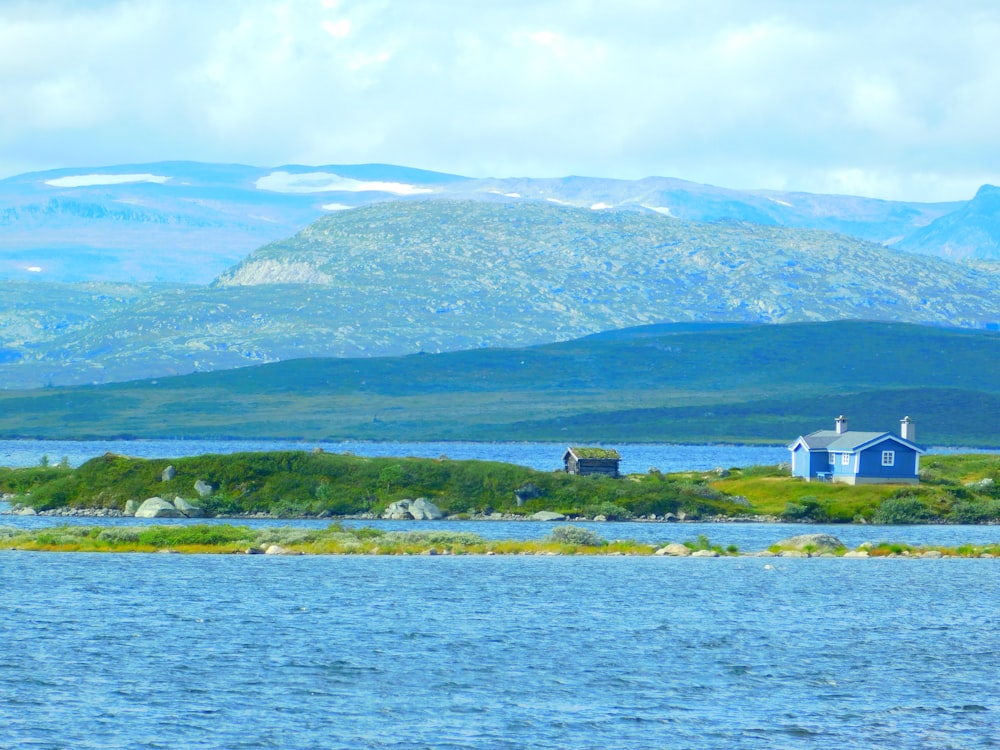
(87, 180)
(774, 94)
(337, 29)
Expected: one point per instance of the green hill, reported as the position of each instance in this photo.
(684, 383)
(444, 276)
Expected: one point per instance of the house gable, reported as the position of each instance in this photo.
(856, 457)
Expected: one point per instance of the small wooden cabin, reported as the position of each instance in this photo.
(585, 461)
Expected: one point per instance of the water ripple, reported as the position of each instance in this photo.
(227, 652)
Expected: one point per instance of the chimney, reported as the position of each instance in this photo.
(907, 429)
(841, 423)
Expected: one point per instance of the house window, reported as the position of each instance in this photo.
(845, 459)
(833, 459)
(888, 458)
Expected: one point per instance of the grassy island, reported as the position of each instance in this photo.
(339, 540)
(289, 484)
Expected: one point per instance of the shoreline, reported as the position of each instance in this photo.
(481, 518)
(337, 540)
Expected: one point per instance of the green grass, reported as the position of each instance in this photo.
(338, 540)
(948, 493)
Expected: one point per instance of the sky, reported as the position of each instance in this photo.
(895, 99)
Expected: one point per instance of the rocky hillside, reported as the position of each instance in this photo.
(591, 270)
(402, 277)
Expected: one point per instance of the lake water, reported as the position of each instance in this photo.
(167, 651)
(636, 457)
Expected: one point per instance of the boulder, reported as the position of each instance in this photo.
(674, 550)
(423, 509)
(525, 493)
(277, 549)
(203, 488)
(25, 510)
(189, 510)
(815, 542)
(157, 507)
(131, 506)
(398, 511)
(705, 553)
(982, 484)
(547, 515)
(857, 553)
(168, 473)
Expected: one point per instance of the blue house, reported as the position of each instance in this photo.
(854, 457)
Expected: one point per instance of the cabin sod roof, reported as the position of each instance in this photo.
(595, 453)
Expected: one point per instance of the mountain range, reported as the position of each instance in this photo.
(187, 222)
(150, 270)
(397, 277)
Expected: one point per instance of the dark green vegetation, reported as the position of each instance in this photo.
(315, 484)
(955, 489)
(437, 275)
(669, 383)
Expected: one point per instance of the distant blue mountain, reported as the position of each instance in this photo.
(189, 222)
(971, 232)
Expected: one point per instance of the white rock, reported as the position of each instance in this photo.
(157, 507)
(277, 549)
(189, 510)
(674, 550)
(423, 509)
(547, 515)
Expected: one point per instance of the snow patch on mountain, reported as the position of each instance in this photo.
(326, 182)
(89, 180)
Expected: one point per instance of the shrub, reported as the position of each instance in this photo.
(170, 536)
(120, 534)
(807, 508)
(611, 511)
(575, 535)
(285, 536)
(975, 511)
(902, 509)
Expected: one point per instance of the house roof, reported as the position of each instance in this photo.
(594, 453)
(851, 440)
